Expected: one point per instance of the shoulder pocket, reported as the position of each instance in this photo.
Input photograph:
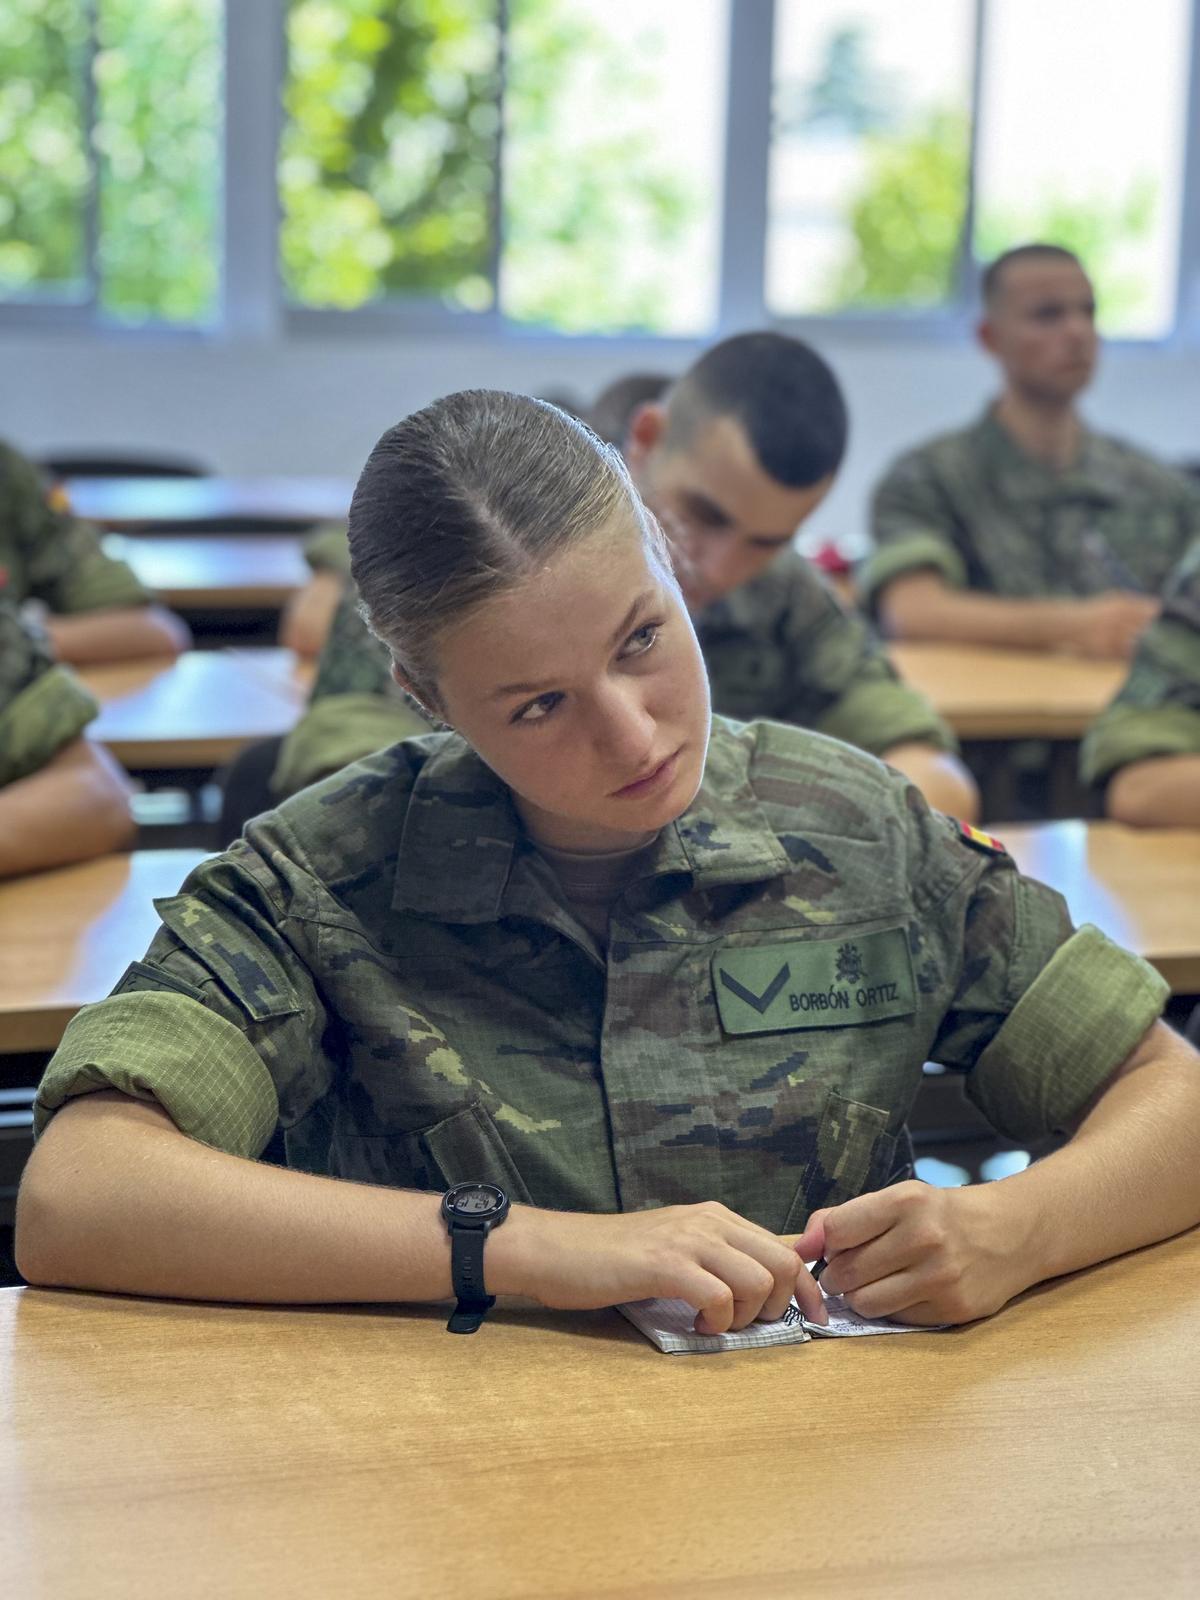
(250, 971)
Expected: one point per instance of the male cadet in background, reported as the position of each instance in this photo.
(1146, 746)
(1027, 529)
(61, 798)
(92, 607)
(732, 460)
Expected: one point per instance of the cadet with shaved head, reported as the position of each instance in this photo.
(1028, 529)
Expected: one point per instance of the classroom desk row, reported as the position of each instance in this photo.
(155, 1448)
(66, 936)
(132, 503)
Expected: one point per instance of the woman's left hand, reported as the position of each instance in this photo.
(918, 1253)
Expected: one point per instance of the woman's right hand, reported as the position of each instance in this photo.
(730, 1269)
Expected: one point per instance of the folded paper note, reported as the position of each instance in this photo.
(669, 1324)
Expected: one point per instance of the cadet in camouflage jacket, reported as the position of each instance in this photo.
(43, 707)
(51, 556)
(984, 515)
(781, 646)
(387, 968)
(1157, 711)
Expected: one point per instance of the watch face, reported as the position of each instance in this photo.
(475, 1200)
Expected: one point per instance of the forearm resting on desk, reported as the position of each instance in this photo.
(75, 807)
(115, 1197)
(1129, 1177)
(922, 605)
(1162, 792)
(125, 634)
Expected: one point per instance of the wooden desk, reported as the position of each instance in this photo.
(196, 712)
(1141, 886)
(215, 572)
(1009, 694)
(152, 1449)
(66, 937)
(143, 502)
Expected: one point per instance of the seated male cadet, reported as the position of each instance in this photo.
(1146, 746)
(93, 608)
(61, 798)
(1027, 529)
(732, 460)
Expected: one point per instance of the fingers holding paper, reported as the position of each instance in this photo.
(914, 1253)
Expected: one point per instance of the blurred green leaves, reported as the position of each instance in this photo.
(43, 159)
(155, 153)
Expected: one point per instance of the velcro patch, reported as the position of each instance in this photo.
(978, 840)
(141, 975)
(815, 983)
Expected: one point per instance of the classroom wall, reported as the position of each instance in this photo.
(313, 405)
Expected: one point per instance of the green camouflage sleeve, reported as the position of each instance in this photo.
(910, 529)
(326, 549)
(1042, 1014)
(62, 559)
(1157, 710)
(356, 706)
(843, 684)
(43, 707)
(221, 1023)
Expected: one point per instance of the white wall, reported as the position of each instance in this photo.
(317, 405)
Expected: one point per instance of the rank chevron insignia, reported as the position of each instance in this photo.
(759, 1002)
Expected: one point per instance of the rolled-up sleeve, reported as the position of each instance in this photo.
(1081, 1017)
(1040, 1014)
(909, 530)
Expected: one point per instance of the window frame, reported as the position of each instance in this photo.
(252, 306)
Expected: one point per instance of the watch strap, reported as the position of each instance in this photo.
(466, 1274)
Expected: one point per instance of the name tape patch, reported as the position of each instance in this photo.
(815, 983)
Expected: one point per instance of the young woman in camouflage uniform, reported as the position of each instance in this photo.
(667, 980)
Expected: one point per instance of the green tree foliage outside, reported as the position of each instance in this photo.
(154, 158)
(906, 220)
(43, 155)
(596, 221)
(388, 151)
(158, 147)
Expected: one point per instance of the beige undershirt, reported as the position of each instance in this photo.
(592, 879)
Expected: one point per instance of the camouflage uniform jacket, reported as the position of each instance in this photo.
(1157, 711)
(781, 646)
(51, 556)
(386, 966)
(978, 510)
(42, 706)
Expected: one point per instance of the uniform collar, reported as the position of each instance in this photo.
(1023, 477)
(465, 857)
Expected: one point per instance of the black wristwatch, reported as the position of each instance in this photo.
(470, 1211)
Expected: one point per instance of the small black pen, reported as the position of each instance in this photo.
(817, 1268)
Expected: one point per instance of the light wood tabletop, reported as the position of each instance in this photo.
(1009, 694)
(67, 936)
(1140, 885)
(154, 1449)
(213, 571)
(197, 711)
(140, 502)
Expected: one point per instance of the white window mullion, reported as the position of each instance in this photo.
(747, 162)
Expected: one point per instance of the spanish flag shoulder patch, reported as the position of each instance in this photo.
(978, 840)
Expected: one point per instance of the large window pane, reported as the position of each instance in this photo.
(1099, 172)
(870, 153)
(158, 145)
(389, 150)
(43, 150)
(614, 127)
